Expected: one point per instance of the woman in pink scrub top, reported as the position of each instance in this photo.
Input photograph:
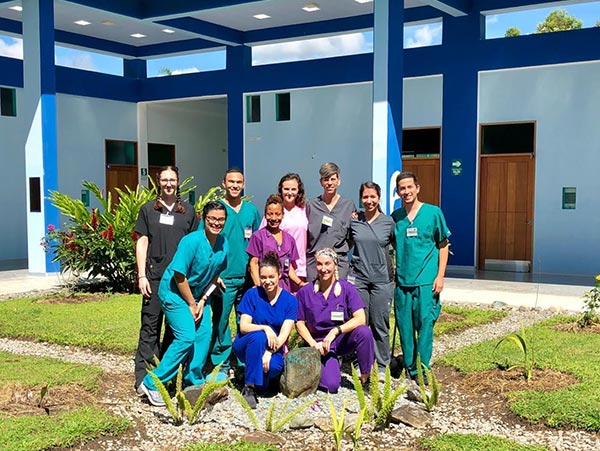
(294, 221)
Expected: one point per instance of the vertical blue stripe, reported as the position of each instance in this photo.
(239, 63)
(46, 46)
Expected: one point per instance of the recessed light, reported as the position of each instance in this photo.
(261, 16)
(137, 35)
(108, 23)
(82, 22)
(168, 30)
(16, 8)
(363, 1)
(311, 7)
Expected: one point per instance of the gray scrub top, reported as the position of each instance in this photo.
(335, 235)
(370, 258)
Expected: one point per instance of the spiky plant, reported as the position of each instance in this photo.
(171, 408)
(337, 423)
(251, 415)
(431, 396)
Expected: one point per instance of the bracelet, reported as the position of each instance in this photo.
(339, 329)
(142, 277)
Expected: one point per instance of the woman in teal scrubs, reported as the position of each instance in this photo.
(184, 293)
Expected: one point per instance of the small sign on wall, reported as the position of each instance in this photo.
(456, 167)
(144, 172)
(85, 197)
(569, 197)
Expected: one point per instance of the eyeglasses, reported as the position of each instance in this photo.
(214, 220)
(168, 181)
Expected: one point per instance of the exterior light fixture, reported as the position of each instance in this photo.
(261, 16)
(311, 7)
(168, 31)
(16, 8)
(82, 22)
(137, 35)
(363, 1)
(108, 23)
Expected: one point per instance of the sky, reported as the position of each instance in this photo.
(348, 44)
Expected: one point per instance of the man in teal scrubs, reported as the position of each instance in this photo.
(243, 219)
(421, 238)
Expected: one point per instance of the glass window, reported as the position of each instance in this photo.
(507, 138)
(8, 102)
(283, 106)
(253, 108)
(121, 152)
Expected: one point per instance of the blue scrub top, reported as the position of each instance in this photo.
(198, 261)
(255, 303)
(417, 253)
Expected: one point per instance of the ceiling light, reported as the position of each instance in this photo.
(16, 8)
(137, 35)
(261, 16)
(363, 1)
(311, 7)
(108, 23)
(82, 22)
(168, 30)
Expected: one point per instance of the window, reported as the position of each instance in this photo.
(421, 142)
(121, 152)
(253, 109)
(8, 102)
(35, 196)
(507, 138)
(282, 107)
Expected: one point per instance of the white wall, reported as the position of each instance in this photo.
(327, 124)
(13, 229)
(565, 102)
(198, 129)
(422, 102)
(84, 123)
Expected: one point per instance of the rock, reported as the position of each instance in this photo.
(264, 438)
(324, 424)
(192, 394)
(413, 393)
(301, 373)
(556, 309)
(499, 304)
(412, 416)
(302, 422)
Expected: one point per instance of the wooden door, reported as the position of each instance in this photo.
(427, 171)
(506, 193)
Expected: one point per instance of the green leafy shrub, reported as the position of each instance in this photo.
(591, 301)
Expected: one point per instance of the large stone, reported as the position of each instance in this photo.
(302, 422)
(264, 438)
(411, 415)
(193, 393)
(301, 373)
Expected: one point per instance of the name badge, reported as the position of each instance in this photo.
(247, 233)
(167, 219)
(337, 316)
(411, 231)
(327, 220)
(351, 279)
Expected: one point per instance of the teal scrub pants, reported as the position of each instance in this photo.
(190, 345)
(416, 309)
(221, 335)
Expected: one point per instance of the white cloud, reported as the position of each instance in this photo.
(11, 47)
(77, 60)
(491, 19)
(348, 44)
(189, 70)
(425, 35)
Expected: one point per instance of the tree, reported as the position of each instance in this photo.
(165, 71)
(598, 23)
(512, 32)
(559, 20)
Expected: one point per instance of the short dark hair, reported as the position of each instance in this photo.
(407, 175)
(328, 169)
(270, 259)
(233, 170)
(213, 205)
(370, 185)
(273, 199)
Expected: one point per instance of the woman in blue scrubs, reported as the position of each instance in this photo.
(268, 314)
(184, 293)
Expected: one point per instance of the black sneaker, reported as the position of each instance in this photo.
(250, 396)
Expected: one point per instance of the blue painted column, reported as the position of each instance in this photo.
(40, 111)
(239, 62)
(459, 131)
(135, 68)
(388, 36)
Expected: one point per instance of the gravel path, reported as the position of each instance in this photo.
(228, 421)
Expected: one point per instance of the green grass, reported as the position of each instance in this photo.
(576, 406)
(36, 433)
(472, 442)
(237, 446)
(108, 325)
(37, 371)
(472, 317)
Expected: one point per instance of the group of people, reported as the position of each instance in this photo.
(318, 265)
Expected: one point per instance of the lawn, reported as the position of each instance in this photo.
(576, 406)
(460, 442)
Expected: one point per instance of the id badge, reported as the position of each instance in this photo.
(167, 219)
(337, 316)
(351, 279)
(327, 220)
(411, 231)
(247, 233)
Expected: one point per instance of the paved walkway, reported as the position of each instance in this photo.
(464, 290)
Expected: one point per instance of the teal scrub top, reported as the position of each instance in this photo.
(238, 229)
(198, 261)
(417, 253)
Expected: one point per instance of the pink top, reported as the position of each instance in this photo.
(295, 223)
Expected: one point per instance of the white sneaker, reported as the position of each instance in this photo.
(154, 396)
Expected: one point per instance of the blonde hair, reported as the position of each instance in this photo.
(332, 254)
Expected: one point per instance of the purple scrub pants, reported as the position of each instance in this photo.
(360, 340)
(249, 348)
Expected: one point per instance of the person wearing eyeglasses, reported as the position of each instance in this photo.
(160, 226)
(185, 297)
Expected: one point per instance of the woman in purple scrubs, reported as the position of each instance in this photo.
(331, 319)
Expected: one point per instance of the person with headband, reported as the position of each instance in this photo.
(160, 226)
(331, 319)
(268, 313)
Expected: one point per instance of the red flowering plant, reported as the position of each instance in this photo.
(100, 242)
